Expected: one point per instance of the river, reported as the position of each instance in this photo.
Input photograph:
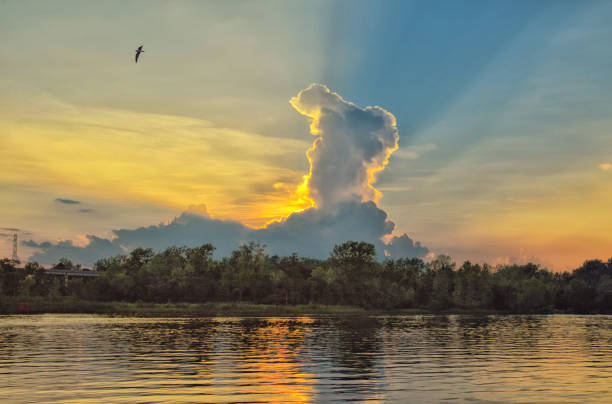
(87, 358)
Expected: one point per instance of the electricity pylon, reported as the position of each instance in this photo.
(15, 257)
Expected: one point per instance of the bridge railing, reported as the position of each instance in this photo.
(70, 273)
(66, 272)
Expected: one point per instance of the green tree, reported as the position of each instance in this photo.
(356, 266)
(443, 282)
(472, 286)
(246, 266)
(65, 264)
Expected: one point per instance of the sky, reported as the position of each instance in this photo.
(478, 129)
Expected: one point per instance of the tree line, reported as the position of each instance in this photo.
(350, 276)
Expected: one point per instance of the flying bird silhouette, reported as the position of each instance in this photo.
(138, 52)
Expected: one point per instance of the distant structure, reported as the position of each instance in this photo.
(15, 257)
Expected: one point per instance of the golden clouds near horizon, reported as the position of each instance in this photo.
(163, 160)
(176, 161)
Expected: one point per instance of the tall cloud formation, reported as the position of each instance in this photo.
(351, 145)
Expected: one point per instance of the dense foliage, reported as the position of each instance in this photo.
(351, 276)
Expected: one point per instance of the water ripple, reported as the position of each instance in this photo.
(75, 358)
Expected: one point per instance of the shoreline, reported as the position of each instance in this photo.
(219, 309)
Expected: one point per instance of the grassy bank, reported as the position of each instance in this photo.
(37, 305)
(211, 309)
(141, 309)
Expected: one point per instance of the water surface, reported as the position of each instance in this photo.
(81, 358)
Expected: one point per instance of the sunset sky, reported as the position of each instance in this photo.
(503, 111)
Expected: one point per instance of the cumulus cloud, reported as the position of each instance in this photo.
(189, 229)
(51, 252)
(404, 247)
(351, 145)
(313, 232)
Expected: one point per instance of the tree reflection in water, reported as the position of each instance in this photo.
(390, 358)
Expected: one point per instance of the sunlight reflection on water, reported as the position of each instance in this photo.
(80, 358)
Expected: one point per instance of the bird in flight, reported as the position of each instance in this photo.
(138, 52)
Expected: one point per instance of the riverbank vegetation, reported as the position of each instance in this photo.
(189, 281)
